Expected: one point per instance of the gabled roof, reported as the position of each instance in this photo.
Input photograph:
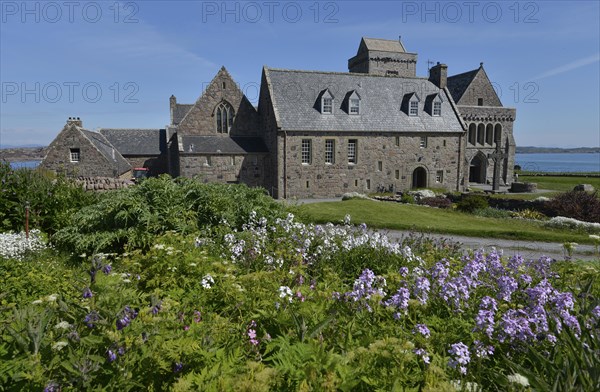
(222, 145)
(458, 84)
(383, 45)
(180, 111)
(136, 141)
(294, 94)
(110, 153)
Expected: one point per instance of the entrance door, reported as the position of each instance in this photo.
(419, 178)
(477, 170)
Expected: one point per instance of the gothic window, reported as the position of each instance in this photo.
(480, 134)
(224, 117)
(497, 133)
(472, 134)
(489, 134)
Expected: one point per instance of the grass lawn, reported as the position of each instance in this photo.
(560, 183)
(396, 216)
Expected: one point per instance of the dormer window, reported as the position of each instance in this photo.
(354, 105)
(410, 104)
(437, 108)
(414, 108)
(325, 102)
(327, 105)
(433, 104)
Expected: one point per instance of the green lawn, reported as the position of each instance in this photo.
(560, 183)
(396, 216)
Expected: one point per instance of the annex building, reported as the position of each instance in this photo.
(318, 134)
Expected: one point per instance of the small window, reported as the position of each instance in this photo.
(233, 160)
(439, 176)
(307, 184)
(398, 141)
(306, 151)
(423, 142)
(444, 142)
(327, 105)
(437, 108)
(224, 85)
(329, 151)
(397, 174)
(355, 182)
(352, 151)
(354, 106)
(379, 166)
(208, 161)
(74, 155)
(368, 184)
(479, 101)
(414, 108)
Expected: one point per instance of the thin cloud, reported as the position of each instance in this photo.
(569, 67)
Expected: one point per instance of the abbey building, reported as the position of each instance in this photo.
(318, 134)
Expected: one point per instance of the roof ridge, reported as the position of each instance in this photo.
(347, 73)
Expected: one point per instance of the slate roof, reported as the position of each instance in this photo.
(384, 45)
(179, 112)
(223, 145)
(458, 84)
(294, 95)
(136, 141)
(106, 149)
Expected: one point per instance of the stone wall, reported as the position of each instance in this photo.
(480, 87)
(156, 164)
(103, 183)
(248, 169)
(384, 63)
(380, 162)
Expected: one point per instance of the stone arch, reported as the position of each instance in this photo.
(472, 133)
(497, 133)
(478, 168)
(419, 178)
(489, 134)
(480, 134)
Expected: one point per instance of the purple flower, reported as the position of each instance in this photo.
(156, 308)
(111, 356)
(440, 272)
(177, 367)
(366, 286)
(506, 286)
(127, 315)
(399, 300)
(403, 271)
(252, 336)
(197, 316)
(123, 322)
(107, 269)
(483, 351)
(422, 329)
(514, 325)
(423, 354)
(421, 289)
(91, 318)
(52, 386)
(461, 357)
(87, 293)
(121, 350)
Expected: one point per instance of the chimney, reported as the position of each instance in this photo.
(75, 121)
(172, 103)
(438, 75)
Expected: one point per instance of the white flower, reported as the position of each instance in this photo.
(126, 280)
(37, 302)
(207, 281)
(193, 265)
(52, 298)
(59, 345)
(518, 379)
(62, 325)
(286, 292)
(595, 237)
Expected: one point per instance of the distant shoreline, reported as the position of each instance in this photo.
(557, 150)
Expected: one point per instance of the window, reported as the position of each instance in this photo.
(306, 151)
(380, 166)
(354, 105)
(327, 105)
(439, 176)
(398, 141)
(423, 142)
(355, 182)
(329, 151)
(414, 108)
(208, 161)
(479, 101)
(74, 155)
(397, 174)
(307, 184)
(352, 151)
(233, 160)
(437, 108)
(224, 117)
(368, 184)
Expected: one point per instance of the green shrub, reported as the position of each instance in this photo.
(407, 199)
(578, 205)
(471, 203)
(529, 214)
(490, 212)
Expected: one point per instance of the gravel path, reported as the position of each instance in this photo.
(527, 249)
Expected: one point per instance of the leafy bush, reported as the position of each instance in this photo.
(529, 214)
(130, 218)
(437, 202)
(407, 199)
(578, 205)
(471, 203)
(52, 200)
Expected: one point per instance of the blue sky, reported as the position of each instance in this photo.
(115, 64)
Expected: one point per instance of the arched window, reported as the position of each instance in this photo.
(480, 134)
(472, 134)
(489, 134)
(224, 117)
(497, 133)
